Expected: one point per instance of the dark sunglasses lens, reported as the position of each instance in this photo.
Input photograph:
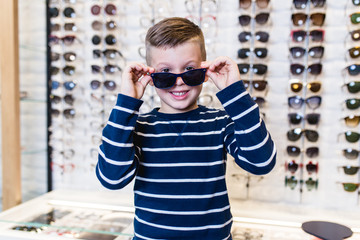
(291, 182)
(69, 99)
(298, 36)
(110, 85)
(355, 18)
(350, 187)
(352, 103)
(350, 153)
(318, 3)
(69, 113)
(244, 36)
(353, 69)
(243, 68)
(245, 4)
(262, 18)
(163, 80)
(111, 53)
(300, 4)
(314, 86)
(297, 52)
(317, 35)
(311, 135)
(259, 85)
(54, 56)
(354, 52)
(352, 136)
(313, 102)
(69, 12)
(293, 151)
(55, 99)
(70, 56)
(295, 118)
(294, 134)
(353, 87)
(194, 77)
(69, 85)
(243, 53)
(355, 35)
(356, 2)
(352, 120)
(262, 36)
(110, 9)
(316, 52)
(315, 69)
(246, 83)
(53, 12)
(259, 69)
(312, 152)
(70, 27)
(69, 70)
(110, 39)
(318, 19)
(244, 20)
(350, 170)
(111, 69)
(297, 69)
(259, 101)
(296, 86)
(260, 52)
(295, 102)
(311, 168)
(95, 84)
(54, 70)
(299, 19)
(110, 25)
(313, 118)
(292, 166)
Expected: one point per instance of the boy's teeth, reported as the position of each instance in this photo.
(178, 93)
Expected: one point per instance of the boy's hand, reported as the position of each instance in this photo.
(223, 71)
(134, 80)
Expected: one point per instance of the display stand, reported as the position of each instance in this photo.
(10, 104)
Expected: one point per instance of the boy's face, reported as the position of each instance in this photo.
(184, 57)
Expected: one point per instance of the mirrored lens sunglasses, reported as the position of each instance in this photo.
(164, 80)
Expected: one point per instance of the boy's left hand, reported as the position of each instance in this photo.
(223, 71)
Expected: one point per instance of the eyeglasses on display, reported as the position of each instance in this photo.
(260, 36)
(352, 120)
(353, 86)
(295, 151)
(296, 118)
(355, 35)
(108, 84)
(350, 153)
(258, 69)
(261, 19)
(258, 52)
(258, 85)
(259, 101)
(352, 103)
(301, 4)
(67, 40)
(292, 183)
(354, 52)
(350, 170)
(245, 4)
(68, 70)
(68, 98)
(355, 18)
(98, 25)
(297, 102)
(353, 69)
(314, 69)
(314, 52)
(164, 80)
(68, 113)
(299, 19)
(296, 85)
(109, 68)
(108, 53)
(110, 9)
(350, 187)
(68, 85)
(68, 56)
(352, 136)
(296, 133)
(315, 35)
(292, 167)
(67, 27)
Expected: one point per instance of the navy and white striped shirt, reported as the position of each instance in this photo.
(179, 162)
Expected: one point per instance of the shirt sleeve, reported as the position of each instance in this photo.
(246, 136)
(118, 156)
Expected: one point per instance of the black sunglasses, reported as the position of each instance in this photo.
(258, 52)
(296, 118)
(164, 80)
(314, 52)
(314, 69)
(296, 133)
(315, 35)
(352, 103)
(260, 36)
(260, 18)
(258, 69)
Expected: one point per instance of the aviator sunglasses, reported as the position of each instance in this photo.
(164, 80)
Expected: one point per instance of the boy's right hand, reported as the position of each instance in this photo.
(135, 78)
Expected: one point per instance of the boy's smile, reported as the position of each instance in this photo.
(184, 57)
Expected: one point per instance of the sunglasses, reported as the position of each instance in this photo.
(260, 101)
(258, 52)
(68, 56)
(299, 19)
(260, 19)
(356, 2)
(301, 4)
(67, 40)
(108, 84)
(109, 68)
(350, 170)
(296, 118)
(314, 52)
(350, 153)
(350, 187)
(258, 85)
(108, 53)
(312, 102)
(315, 35)
(297, 85)
(296, 133)
(295, 151)
(68, 113)
(68, 98)
(67, 70)
(69, 12)
(164, 80)
(68, 85)
(258, 69)
(352, 103)
(259, 36)
(292, 167)
(245, 4)
(314, 69)
(353, 69)
(355, 35)
(292, 183)
(98, 25)
(355, 18)
(109, 9)
(354, 52)
(67, 27)
(352, 120)
(353, 86)
(352, 136)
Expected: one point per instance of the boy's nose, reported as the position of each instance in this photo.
(179, 81)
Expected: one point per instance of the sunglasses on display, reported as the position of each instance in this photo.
(314, 69)
(355, 35)
(68, 113)
(296, 85)
(292, 183)
(258, 69)
(297, 118)
(314, 52)
(355, 18)
(67, 27)
(109, 68)
(354, 52)
(292, 167)
(108, 53)
(68, 98)
(315, 35)
(108, 84)
(245, 4)
(98, 25)
(164, 80)
(352, 120)
(353, 69)
(260, 101)
(261, 19)
(67, 70)
(258, 52)
(353, 86)
(260, 36)
(68, 56)
(297, 102)
(258, 85)
(352, 136)
(352, 103)
(356, 2)
(350, 153)
(296, 133)
(301, 4)
(350, 170)
(68, 85)
(299, 19)
(67, 40)
(110, 9)
(350, 187)
(295, 151)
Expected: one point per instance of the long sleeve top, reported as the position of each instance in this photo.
(179, 163)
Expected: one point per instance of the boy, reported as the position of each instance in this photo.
(177, 153)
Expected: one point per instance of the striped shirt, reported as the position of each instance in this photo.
(179, 162)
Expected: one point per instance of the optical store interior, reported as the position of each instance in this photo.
(60, 72)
